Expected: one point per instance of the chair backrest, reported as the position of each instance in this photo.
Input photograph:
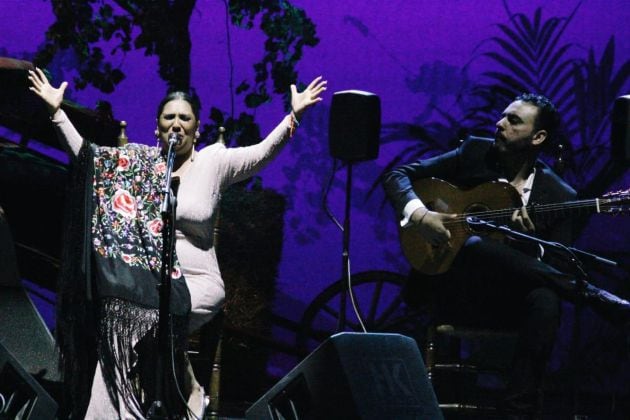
(214, 391)
(122, 137)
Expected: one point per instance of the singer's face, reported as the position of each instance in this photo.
(516, 130)
(177, 117)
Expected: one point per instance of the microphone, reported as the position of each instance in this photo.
(479, 225)
(474, 221)
(174, 139)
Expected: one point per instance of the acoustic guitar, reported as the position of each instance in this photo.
(493, 202)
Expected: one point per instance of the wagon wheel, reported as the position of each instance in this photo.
(378, 298)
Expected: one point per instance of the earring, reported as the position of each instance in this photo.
(157, 138)
(193, 152)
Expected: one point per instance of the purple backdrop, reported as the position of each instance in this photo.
(410, 53)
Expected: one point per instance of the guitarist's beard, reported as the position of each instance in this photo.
(514, 156)
(516, 146)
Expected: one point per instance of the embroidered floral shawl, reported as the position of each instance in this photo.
(127, 227)
(108, 299)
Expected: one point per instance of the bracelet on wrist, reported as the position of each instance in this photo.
(293, 124)
(423, 216)
(295, 118)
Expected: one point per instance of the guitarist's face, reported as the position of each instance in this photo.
(515, 131)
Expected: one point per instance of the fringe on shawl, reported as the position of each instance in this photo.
(128, 349)
(76, 317)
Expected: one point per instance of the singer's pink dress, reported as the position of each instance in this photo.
(214, 168)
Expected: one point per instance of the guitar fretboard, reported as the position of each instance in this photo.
(542, 211)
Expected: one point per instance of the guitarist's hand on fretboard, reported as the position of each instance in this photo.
(520, 221)
(430, 225)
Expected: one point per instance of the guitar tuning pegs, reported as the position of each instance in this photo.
(616, 202)
(623, 194)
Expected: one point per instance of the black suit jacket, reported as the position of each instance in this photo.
(475, 162)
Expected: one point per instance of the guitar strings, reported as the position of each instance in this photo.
(506, 214)
(458, 224)
(535, 209)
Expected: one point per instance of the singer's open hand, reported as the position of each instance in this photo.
(308, 97)
(51, 96)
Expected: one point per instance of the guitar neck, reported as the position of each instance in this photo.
(569, 208)
(544, 211)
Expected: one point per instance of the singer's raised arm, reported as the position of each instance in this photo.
(53, 97)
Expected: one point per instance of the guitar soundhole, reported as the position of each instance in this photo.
(472, 209)
(476, 208)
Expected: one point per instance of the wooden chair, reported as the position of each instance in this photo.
(204, 351)
(467, 366)
(466, 363)
(206, 346)
(214, 390)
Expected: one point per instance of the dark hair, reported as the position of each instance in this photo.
(548, 118)
(193, 100)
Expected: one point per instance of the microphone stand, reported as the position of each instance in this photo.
(158, 409)
(581, 282)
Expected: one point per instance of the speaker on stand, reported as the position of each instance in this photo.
(353, 136)
(619, 160)
(620, 130)
(354, 126)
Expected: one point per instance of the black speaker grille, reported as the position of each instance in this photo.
(620, 130)
(354, 376)
(354, 126)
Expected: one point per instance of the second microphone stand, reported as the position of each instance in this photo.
(581, 282)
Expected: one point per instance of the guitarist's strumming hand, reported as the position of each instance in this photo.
(430, 224)
(520, 220)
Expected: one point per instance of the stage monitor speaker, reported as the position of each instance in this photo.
(354, 125)
(620, 130)
(21, 397)
(24, 333)
(22, 330)
(8, 261)
(354, 376)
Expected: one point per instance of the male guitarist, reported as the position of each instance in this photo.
(486, 278)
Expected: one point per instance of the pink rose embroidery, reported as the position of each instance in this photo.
(155, 226)
(160, 167)
(123, 163)
(124, 204)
